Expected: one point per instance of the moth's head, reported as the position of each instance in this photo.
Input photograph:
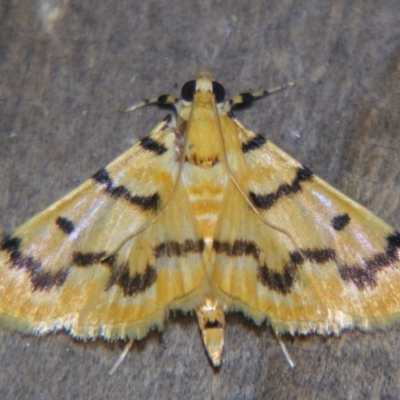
(203, 84)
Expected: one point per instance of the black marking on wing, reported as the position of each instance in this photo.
(238, 248)
(339, 222)
(138, 283)
(11, 246)
(266, 201)
(65, 224)
(46, 280)
(102, 177)
(176, 249)
(152, 145)
(41, 280)
(87, 259)
(130, 285)
(253, 144)
(280, 282)
(365, 276)
(121, 192)
(319, 256)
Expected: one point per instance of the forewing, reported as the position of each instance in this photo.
(78, 265)
(337, 266)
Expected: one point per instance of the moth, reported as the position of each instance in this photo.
(202, 214)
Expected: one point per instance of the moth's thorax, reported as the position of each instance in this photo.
(204, 137)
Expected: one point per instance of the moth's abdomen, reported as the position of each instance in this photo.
(206, 189)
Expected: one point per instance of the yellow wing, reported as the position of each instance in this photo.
(330, 265)
(76, 265)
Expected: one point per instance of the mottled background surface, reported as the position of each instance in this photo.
(65, 68)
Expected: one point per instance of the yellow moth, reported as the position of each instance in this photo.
(202, 214)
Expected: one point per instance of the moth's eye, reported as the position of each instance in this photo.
(219, 92)
(188, 90)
